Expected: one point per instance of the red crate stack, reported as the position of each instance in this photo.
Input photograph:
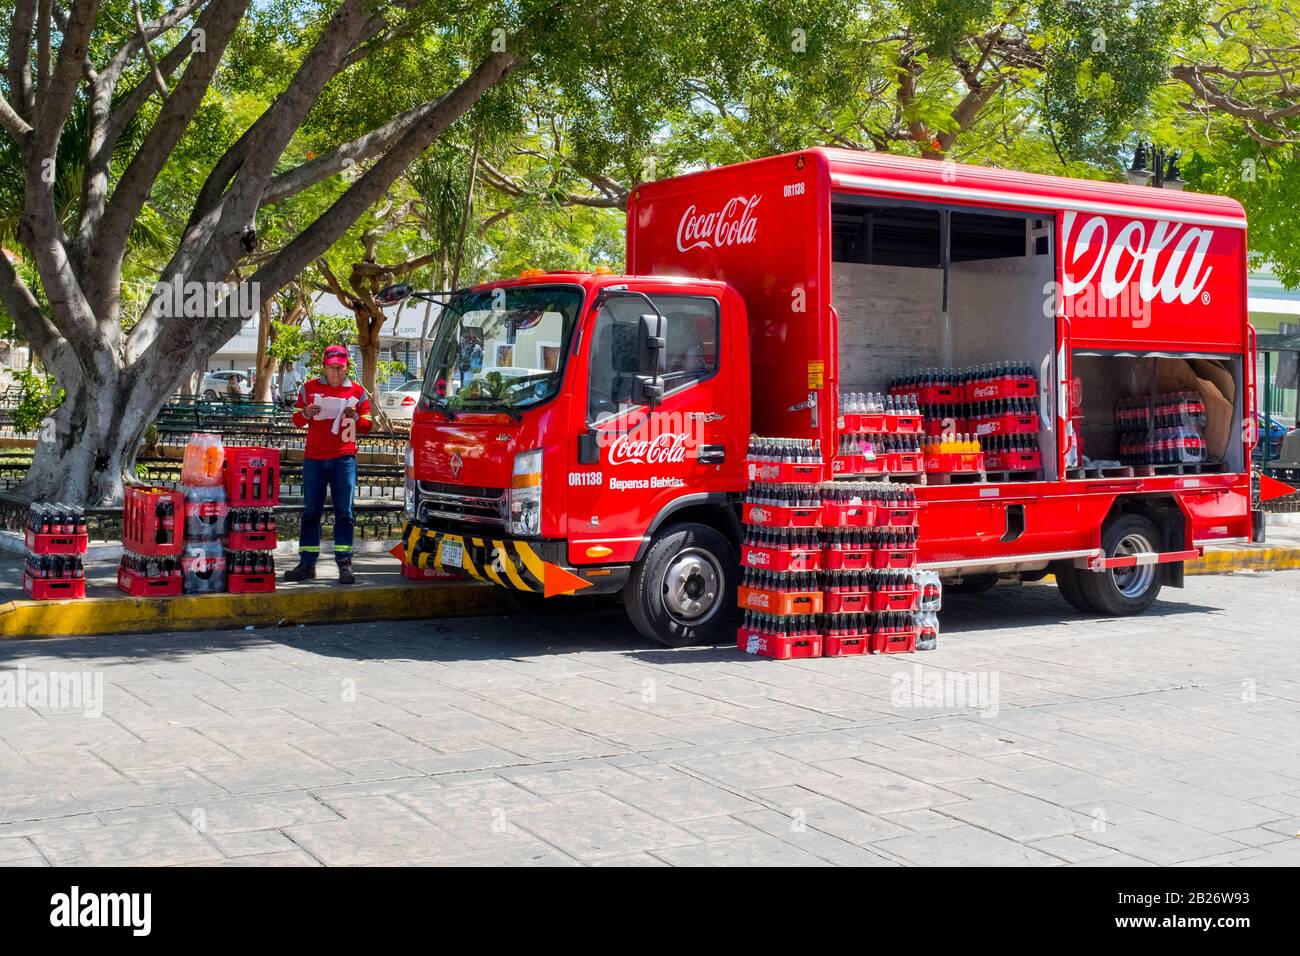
(56, 540)
(252, 493)
(153, 537)
(780, 595)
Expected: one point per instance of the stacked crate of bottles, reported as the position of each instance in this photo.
(151, 542)
(1165, 430)
(879, 435)
(252, 491)
(56, 541)
(991, 410)
(780, 596)
(869, 536)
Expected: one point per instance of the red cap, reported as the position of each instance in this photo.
(336, 355)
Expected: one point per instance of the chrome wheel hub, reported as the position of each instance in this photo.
(692, 586)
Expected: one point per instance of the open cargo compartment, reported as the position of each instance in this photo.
(919, 286)
(1111, 378)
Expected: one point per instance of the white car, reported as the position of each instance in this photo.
(399, 404)
(216, 385)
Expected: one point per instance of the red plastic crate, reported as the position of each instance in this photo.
(1013, 460)
(1004, 425)
(784, 472)
(138, 585)
(853, 465)
(939, 395)
(863, 423)
(896, 516)
(908, 463)
(250, 541)
(781, 559)
(893, 642)
(250, 583)
(782, 516)
(848, 602)
(784, 603)
(848, 559)
(900, 424)
(845, 514)
(846, 646)
(53, 589)
(893, 558)
(140, 521)
(778, 646)
(904, 599)
(994, 391)
(38, 543)
(252, 477)
(949, 462)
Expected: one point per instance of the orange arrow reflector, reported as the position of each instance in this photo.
(1270, 488)
(398, 551)
(559, 581)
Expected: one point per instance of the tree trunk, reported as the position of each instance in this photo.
(263, 364)
(370, 363)
(95, 439)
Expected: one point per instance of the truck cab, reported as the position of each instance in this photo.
(586, 433)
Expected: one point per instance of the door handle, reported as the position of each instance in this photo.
(712, 454)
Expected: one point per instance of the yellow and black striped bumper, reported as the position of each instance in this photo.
(505, 561)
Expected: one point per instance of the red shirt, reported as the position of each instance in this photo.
(322, 442)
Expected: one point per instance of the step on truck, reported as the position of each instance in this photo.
(587, 433)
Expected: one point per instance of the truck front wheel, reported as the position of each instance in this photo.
(683, 591)
(1123, 591)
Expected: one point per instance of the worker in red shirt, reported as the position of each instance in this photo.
(333, 409)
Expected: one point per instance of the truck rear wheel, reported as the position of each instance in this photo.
(1124, 591)
(683, 591)
(1069, 582)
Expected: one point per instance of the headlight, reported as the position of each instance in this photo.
(411, 502)
(525, 503)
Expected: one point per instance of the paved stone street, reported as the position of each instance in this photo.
(1032, 736)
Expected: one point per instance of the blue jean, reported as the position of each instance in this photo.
(340, 475)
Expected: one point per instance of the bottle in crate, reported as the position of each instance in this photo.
(204, 565)
(205, 513)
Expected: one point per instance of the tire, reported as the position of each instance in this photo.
(210, 395)
(1069, 583)
(683, 591)
(1124, 591)
(974, 584)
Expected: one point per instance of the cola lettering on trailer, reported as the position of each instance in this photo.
(666, 449)
(1167, 259)
(733, 225)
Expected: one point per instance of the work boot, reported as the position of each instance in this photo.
(305, 571)
(345, 573)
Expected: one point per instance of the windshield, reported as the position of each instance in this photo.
(501, 348)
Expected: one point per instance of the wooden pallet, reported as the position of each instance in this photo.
(1201, 468)
(1032, 474)
(955, 477)
(1122, 471)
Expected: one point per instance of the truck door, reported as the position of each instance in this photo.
(644, 460)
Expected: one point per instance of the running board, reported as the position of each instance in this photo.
(1133, 560)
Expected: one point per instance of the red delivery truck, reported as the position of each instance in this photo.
(1067, 366)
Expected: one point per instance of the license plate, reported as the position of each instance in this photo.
(453, 554)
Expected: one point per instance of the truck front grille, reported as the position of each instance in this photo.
(481, 507)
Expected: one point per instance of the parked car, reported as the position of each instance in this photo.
(216, 385)
(399, 404)
(1270, 437)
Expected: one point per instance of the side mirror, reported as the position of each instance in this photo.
(393, 294)
(651, 342)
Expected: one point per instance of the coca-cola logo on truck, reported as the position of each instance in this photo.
(733, 225)
(1167, 259)
(666, 449)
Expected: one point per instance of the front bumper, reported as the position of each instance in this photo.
(509, 562)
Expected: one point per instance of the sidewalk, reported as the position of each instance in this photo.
(381, 593)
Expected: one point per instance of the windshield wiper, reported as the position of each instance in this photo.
(494, 407)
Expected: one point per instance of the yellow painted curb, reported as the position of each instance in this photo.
(335, 605)
(1227, 560)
